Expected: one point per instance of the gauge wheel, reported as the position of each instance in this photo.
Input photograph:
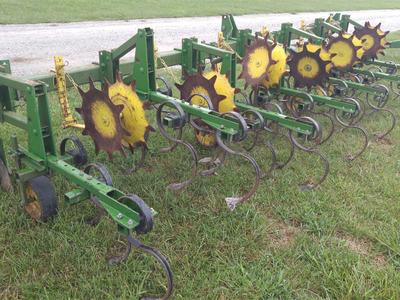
(41, 199)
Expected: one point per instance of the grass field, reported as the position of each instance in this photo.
(43, 11)
(341, 241)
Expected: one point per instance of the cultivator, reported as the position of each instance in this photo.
(324, 68)
(291, 84)
(299, 92)
(373, 42)
(206, 103)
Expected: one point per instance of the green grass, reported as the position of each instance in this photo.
(340, 241)
(43, 11)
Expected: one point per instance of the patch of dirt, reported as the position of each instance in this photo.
(384, 144)
(358, 246)
(384, 141)
(380, 260)
(363, 248)
(385, 148)
(282, 235)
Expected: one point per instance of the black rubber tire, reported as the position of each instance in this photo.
(5, 180)
(46, 198)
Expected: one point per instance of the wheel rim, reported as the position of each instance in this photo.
(32, 207)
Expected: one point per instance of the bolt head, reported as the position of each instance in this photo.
(119, 216)
(130, 222)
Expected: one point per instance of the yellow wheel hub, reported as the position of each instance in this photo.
(308, 67)
(204, 138)
(324, 55)
(347, 50)
(367, 42)
(373, 40)
(103, 119)
(344, 54)
(258, 62)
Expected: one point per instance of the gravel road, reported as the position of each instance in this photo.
(31, 47)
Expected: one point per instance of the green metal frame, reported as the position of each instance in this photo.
(40, 157)
(144, 72)
(194, 54)
(322, 27)
(237, 39)
(287, 33)
(284, 36)
(143, 67)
